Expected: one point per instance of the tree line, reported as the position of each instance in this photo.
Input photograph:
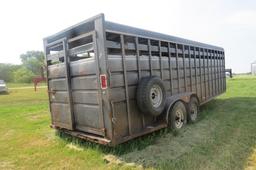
(33, 65)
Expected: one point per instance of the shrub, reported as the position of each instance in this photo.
(23, 75)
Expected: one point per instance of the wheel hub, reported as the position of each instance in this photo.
(194, 111)
(156, 95)
(179, 119)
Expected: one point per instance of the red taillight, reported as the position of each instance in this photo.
(103, 81)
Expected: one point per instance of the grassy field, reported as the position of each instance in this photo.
(223, 138)
(20, 85)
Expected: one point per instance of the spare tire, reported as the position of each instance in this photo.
(151, 95)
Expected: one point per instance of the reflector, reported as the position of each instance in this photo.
(103, 81)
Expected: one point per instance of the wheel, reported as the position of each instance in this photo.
(151, 96)
(193, 109)
(177, 116)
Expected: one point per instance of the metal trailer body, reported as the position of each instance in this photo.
(93, 69)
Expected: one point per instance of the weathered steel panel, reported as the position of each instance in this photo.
(116, 79)
(57, 84)
(118, 94)
(85, 83)
(61, 114)
(86, 97)
(120, 123)
(59, 96)
(87, 115)
(83, 67)
(56, 71)
(136, 118)
(115, 63)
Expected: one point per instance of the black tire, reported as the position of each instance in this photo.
(177, 116)
(193, 110)
(151, 95)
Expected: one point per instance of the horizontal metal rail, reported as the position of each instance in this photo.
(72, 52)
(81, 49)
(141, 47)
(88, 34)
(59, 41)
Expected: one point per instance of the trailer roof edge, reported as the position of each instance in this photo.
(151, 34)
(101, 15)
(136, 32)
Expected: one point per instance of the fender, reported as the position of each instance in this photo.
(184, 97)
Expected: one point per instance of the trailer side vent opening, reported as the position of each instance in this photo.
(109, 83)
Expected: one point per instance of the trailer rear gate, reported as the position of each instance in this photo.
(78, 56)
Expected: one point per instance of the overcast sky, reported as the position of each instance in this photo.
(230, 24)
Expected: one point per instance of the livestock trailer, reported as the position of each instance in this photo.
(110, 83)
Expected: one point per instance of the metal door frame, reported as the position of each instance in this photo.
(64, 43)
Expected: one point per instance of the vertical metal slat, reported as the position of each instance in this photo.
(195, 65)
(200, 74)
(225, 85)
(138, 57)
(190, 69)
(184, 68)
(101, 119)
(218, 76)
(212, 70)
(160, 59)
(204, 64)
(170, 68)
(222, 70)
(208, 70)
(150, 57)
(139, 69)
(177, 66)
(214, 73)
(126, 85)
(47, 75)
(68, 82)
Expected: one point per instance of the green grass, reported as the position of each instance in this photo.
(19, 85)
(223, 138)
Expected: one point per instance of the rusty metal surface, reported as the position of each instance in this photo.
(73, 81)
(125, 54)
(86, 136)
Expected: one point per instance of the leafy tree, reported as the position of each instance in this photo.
(32, 65)
(23, 75)
(6, 71)
(34, 61)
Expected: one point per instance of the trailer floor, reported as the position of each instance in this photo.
(223, 138)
